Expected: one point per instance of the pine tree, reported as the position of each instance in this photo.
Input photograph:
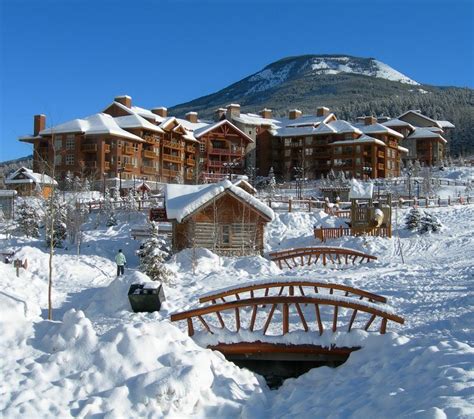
(28, 220)
(56, 218)
(413, 219)
(153, 254)
(69, 181)
(429, 223)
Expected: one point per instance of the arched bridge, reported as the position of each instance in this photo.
(257, 326)
(306, 256)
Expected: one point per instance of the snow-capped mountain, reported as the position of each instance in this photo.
(280, 71)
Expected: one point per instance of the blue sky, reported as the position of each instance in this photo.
(69, 58)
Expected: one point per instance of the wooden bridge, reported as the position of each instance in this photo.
(306, 256)
(321, 308)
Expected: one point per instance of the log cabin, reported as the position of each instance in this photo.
(221, 217)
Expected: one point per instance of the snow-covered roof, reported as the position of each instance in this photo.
(395, 122)
(378, 129)
(243, 181)
(361, 190)
(306, 120)
(99, 123)
(8, 192)
(364, 139)
(402, 149)
(344, 127)
(418, 113)
(446, 124)
(183, 200)
(253, 119)
(425, 133)
(201, 131)
(29, 177)
(136, 121)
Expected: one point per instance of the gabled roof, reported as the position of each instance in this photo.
(25, 175)
(257, 120)
(303, 120)
(364, 139)
(419, 114)
(378, 129)
(425, 133)
(204, 130)
(344, 127)
(136, 110)
(446, 124)
(395, 122)
(242, 182)
(136, 121)
(99, 123)
(181, 201)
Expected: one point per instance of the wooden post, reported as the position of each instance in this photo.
(309, 205)
(289, 205)
(449, 200)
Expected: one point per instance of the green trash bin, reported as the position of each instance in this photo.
(146, 299)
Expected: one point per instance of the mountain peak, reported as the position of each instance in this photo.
(313, 65)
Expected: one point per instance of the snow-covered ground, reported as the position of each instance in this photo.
(97, 358)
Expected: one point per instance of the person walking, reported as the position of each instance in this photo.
(121, 261)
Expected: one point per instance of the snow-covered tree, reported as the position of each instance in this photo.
(68, 181)
(416, 168)
(56, 218)
(271, 188)
(77, 184)
(429, 223)
(153, 254)
(178, 178)
(86, 186)
(111, 219)
(28, 220)
(413, 219)
(131, 201)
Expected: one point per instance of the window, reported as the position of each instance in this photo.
(58, 143)
(70, 142)
(69, 159)
(225, 235)
(308, 151)
(308, 140)
(58, 160)
(287, 141)
(357, 160)
(287, 153)
(358, 149)
(338, 150)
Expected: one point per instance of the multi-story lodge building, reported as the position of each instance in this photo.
(129, 142)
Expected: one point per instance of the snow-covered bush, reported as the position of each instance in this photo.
(153, 254)
(111, 219)
(422, 221)
(28, 220)
(56, 218)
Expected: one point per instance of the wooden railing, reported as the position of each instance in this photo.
(149, 154)
(129, 150)
(173, 145)
(149, 170)
(175, 159)
(286, 303)
(89, 148)
(106, 148)
(287, 288)
(334, 233)
(311, 255)
(190, 162)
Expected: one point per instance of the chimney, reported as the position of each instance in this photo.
(266, 113)
(219, 113)
(322, 111)
(124, 100)
(192, 117)
(370, 120)
(294, 113)
(161, 111)
(233, 111)
(39, 124)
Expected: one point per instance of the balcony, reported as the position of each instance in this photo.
(173, 145)
(190, 149)
(106, 148)
(89, 148)
(214, 163)
(149, 170)
(128, 167)
(149, 154)
(91, 164)
(175, 159)
(152, 139)
(189, 176)
(380, 154)
(220, 151)
(169, 173)
(380, 166)
(107, 165)
(129, 149)
(190, 162)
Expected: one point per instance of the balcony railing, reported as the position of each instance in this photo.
(227, 151)
(173, 145)
(214, 163)
(107, 165)
(149, 154)
(190, 162)
(169, 173)
(175, 159)
(89, 148)
(128, 167)
(381, 154)
(149, 170)
(153, 139)
(381, 166)
(129, 150)
(190, 149)
(189, 176)
(107, 148)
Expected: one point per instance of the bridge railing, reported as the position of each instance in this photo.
(300, 304)
(311, 255)
(291, 288)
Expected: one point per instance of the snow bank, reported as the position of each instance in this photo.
(127, 372)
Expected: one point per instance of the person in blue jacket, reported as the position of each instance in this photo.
(121, 261)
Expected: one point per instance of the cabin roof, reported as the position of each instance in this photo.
(25, 175)
(181, 201)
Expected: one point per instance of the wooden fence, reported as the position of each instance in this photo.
(323, 233)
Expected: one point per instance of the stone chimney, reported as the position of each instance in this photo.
(39, 124)
(219, 113)
(161, 111)
(370, 120)
(294, 113)
(266, 113)
(192, 117)
(322, 111)
(124, 100)
(233, 111)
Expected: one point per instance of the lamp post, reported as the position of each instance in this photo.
(409, 183)
(103, 191)
(229, 166)
(367, 171)
(299, 172)
(144, 179)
